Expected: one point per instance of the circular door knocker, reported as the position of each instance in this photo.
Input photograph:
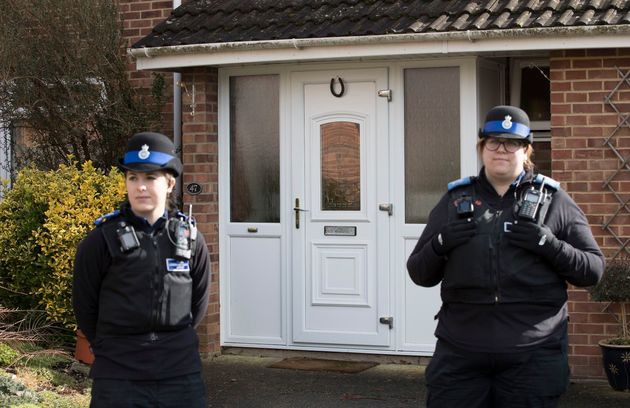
(332, 87)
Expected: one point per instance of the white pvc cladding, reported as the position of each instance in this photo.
(383, 46)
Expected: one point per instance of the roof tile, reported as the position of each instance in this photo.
(216, 21)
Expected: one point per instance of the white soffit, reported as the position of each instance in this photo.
(383, 46)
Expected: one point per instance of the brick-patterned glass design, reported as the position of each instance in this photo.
(341, 166)
(623, 208)
(432, 157)
(255, 148)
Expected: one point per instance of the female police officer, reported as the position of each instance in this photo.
(503, 245)
(141, 287)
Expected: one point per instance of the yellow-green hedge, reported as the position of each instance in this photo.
(43, 217)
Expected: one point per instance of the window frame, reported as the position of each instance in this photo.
(540, 128)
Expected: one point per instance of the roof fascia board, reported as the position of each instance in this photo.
(322, 49)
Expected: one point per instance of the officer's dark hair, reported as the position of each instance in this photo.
(172, 203)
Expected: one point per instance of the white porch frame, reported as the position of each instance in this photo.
(402, 233)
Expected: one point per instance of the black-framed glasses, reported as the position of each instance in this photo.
(510, 145)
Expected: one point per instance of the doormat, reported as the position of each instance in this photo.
(316, 364)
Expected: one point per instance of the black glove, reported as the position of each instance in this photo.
(535, 238)
(453, 235)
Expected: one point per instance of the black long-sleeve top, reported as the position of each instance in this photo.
(516, 326)
(146, 356)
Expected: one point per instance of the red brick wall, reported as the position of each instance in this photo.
(138, 19)
(199, 138)
(200, 157)
(580, 122)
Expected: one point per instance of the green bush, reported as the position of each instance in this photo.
(7, 355)
(43, 217)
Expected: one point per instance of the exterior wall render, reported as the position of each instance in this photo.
(580, 122)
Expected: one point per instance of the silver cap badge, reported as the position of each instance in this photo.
(144, 153)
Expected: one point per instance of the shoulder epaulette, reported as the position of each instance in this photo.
(547, 181)
(100, 220)
(465, 181)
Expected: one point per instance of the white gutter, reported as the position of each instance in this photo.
(309, 49)
(177, 115)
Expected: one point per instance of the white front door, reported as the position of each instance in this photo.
(340, 238)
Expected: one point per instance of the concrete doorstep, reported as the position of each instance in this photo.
(250, 381)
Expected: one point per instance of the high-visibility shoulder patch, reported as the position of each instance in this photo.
(547, 181)
(103, 218)
(465, 181)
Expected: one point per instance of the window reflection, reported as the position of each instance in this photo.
(535, 91)
(340, 166)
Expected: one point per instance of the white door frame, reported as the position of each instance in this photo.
(401, 234)
(366, 298)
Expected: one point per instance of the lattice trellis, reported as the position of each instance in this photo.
(624, 207)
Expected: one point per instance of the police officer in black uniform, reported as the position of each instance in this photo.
(503, 245)
(141, 281)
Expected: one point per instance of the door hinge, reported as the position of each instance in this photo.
(389, 320)
(389, 207)
(385, 93)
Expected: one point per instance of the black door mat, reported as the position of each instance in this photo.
(316, 364)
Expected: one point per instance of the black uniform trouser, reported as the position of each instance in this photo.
(459, 378)
(187, 391)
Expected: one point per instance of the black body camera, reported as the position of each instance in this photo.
(464, 206)
(127, 237)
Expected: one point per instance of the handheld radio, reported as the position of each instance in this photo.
(184, 233)
(531, 201)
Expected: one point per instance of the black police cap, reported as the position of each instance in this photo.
(508, 122)
(149, 151)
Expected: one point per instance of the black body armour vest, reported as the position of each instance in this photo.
(139, 293)
(487, 269)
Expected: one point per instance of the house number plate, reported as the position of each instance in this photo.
(339, 230)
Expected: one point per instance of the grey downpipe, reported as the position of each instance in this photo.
(177, 119)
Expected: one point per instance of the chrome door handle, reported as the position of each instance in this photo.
(389, 207)
(297, 210)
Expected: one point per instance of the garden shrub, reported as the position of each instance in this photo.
(7, 355)
(43, 217)
(13, 393)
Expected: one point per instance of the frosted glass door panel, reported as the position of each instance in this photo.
(432, 152)
(254, 149)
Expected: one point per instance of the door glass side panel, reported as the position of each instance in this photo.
(432, 151)
(255, 148)
(340, 166)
